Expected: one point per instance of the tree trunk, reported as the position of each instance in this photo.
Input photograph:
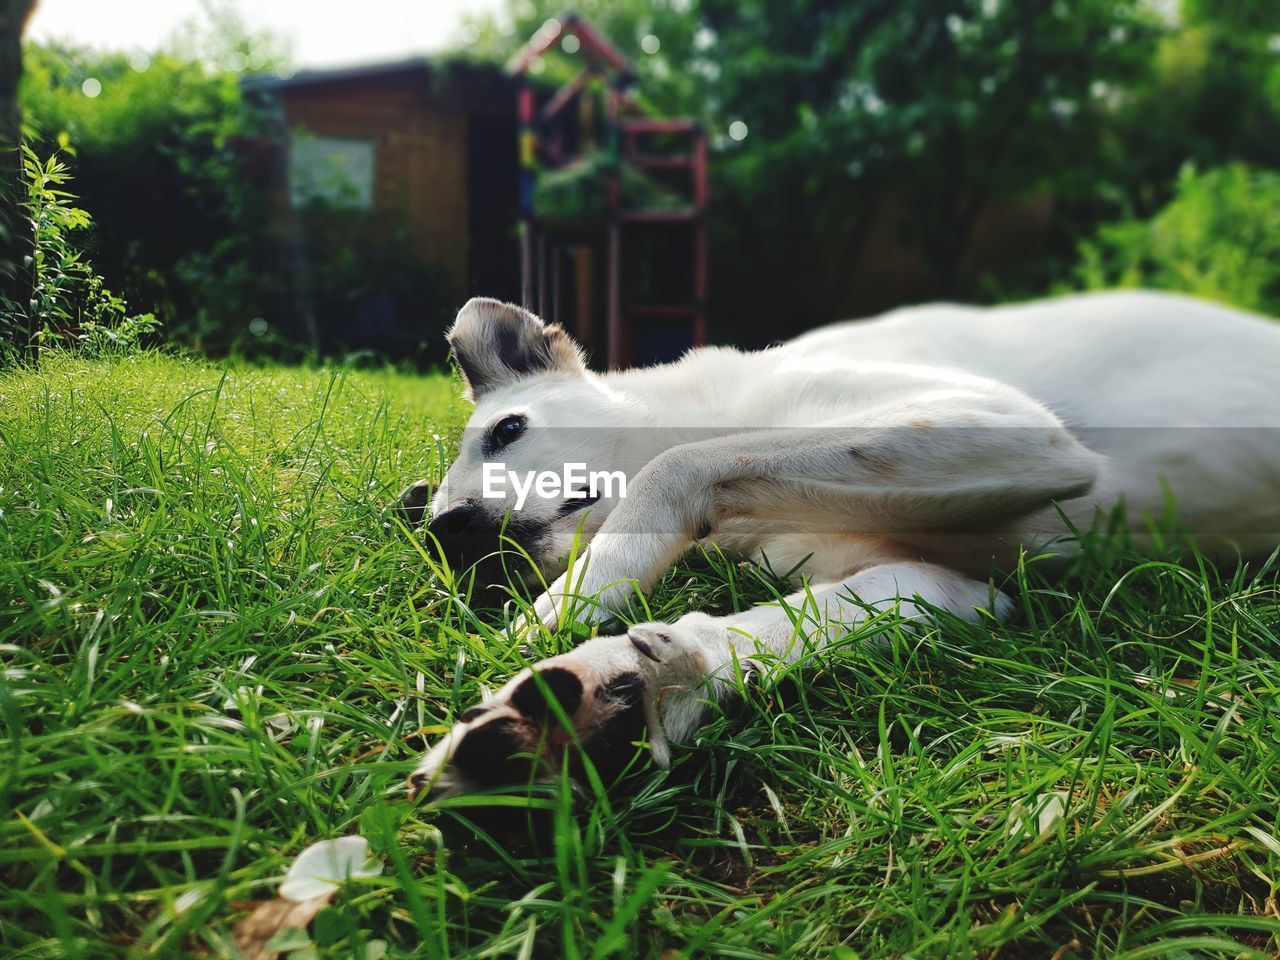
(15, 238)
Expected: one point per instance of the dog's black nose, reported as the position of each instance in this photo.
(470, 540)
(454, 524)
(413, 503)
(466, 537)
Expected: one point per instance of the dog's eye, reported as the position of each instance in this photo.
(506, 431)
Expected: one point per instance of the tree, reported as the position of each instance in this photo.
(15, 240)
(938, 106)
(1214, 97)
(931, 109)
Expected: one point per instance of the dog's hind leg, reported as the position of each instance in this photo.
(661, 677)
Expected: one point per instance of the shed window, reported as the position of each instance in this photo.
(332, 170)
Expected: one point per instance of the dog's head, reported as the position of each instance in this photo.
(542, 425)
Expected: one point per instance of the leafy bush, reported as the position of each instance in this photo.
(1218, 238)
(181, 173)
(157, 166)
(578, 190)
(360, 286)
(70, 303)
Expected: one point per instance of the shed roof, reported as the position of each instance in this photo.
(476, 84)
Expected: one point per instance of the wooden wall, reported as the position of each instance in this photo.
(420, 155)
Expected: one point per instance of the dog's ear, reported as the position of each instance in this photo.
(494, 343)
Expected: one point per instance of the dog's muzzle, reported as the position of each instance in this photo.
(475, 543)
(466, 533)
(463, 534)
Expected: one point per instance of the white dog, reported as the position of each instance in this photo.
(885, 462)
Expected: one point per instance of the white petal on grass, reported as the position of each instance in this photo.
(41, 809)
(1038, 818)
(278, 725)
(322, 866)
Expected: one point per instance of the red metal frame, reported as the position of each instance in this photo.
(625, 135)
(594, 45)
(564, 96)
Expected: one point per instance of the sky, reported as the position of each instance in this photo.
(320, 32)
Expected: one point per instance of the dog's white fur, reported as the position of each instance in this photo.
(885, 461)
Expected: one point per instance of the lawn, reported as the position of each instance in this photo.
(219, 648)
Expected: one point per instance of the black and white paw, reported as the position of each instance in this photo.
(614, 693)
(520, 736)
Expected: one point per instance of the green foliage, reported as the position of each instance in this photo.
(905, 124)
(70, 302)
(1218, 238)
(180, 172)
(921, 116)
(359, 278)
(1212, 99)
(155, 163)
(577, 190)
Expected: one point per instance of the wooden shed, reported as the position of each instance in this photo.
(425, 147)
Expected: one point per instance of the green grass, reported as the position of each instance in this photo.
(218, 648)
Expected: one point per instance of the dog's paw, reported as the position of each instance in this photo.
(692, 661)
(611, 690)
(519, 735)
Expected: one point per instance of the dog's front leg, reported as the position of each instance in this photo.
(669, 506)
(968, 463)
(682, 496)
(660, 678)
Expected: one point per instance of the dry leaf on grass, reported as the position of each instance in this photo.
(254, 932)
